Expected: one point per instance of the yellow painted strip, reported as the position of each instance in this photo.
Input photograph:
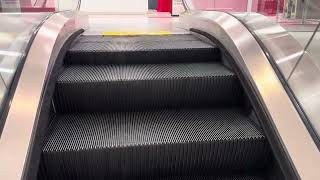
(8, 34)
(158, 33)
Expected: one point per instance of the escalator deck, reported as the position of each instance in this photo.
(150, 107)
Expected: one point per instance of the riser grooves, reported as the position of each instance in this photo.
(143, 87)
(143, 57)
(158, 161)
(140, 50)
(153, 144)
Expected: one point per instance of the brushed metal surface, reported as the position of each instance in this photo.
(305, 84)
(283, 47)
(16, 33)
(243, 47)
(18, 133)
(286, 50)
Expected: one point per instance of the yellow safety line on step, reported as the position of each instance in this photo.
(158, 33)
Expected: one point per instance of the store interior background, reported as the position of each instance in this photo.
(299, 17)
(290, 9)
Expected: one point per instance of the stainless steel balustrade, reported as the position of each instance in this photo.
(246, 51)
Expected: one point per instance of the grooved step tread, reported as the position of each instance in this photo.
(85, 74)
(240, 177)
(125, 129)
(140, 49)
(97, 39)
(140, 87)
(138, 43)
(153, 144)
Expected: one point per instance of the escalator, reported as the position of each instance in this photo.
(152, 107)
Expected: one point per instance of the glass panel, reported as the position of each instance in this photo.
(16, 31)
(300, 18)
(265, 7)
(314, 48)
(305, 80)
(285, 11)
(299, 11)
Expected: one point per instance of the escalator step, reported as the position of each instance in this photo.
(241, 177)
(153, 144)
(148, 38)
(150, 86)
(42, 176)
(140, 50)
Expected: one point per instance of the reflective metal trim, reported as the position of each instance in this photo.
(78, 5)
(245, 50)
(285, 51)
(11, 67)
(188, 5)
(18, 133)
(305, 84)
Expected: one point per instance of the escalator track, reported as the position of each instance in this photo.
(151, 107)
